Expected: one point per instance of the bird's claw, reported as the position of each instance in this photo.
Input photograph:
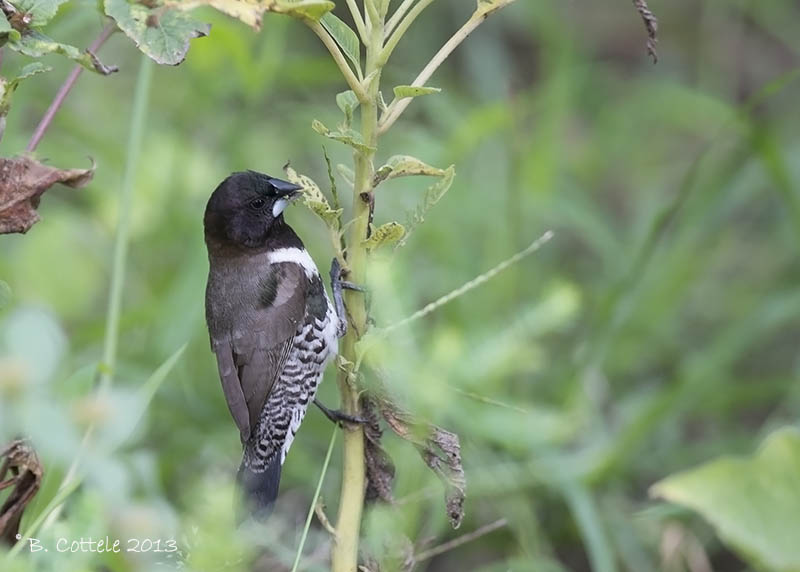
(351, 286)
(337, 285)
(340, 417)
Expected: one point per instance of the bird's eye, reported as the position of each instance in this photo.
(257, 204)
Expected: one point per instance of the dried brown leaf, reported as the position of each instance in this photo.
(651, 25)
(441, 451)
(380, 469)
(22, 183)
(21, 469)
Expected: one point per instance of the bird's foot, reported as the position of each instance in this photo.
(339, 417)
(337, 285)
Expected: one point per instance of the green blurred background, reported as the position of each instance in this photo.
(656, 331)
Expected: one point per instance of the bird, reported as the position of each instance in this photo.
(271, 324)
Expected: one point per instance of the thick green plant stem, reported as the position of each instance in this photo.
(135, 136)
(344, 556)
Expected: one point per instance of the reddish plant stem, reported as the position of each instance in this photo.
(64, 90)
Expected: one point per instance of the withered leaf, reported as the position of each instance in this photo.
(22, 183)
(21, 470)
(380, 469)
(441, 451)
(651, 25)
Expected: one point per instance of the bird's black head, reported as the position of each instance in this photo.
(245, 208)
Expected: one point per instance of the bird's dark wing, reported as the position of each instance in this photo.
(231, 386)
(250, 362)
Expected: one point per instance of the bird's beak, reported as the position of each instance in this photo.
(285, 189)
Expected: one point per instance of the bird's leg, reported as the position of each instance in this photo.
(339, 417)
(337, 285)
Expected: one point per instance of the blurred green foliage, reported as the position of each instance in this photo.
(656, 331)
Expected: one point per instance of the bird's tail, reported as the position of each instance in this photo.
(260, 487)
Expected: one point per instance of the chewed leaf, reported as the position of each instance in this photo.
(402, 91)
(31, 70)
(250, 12)
(163, 35)
(344, 36)
(311, 190)
(40, 12)
(404, 166)
(36, 45)
(23, 181)
(388, 233)
(325, 212)
(314, 199)
(349, 137)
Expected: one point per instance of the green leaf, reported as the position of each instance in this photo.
(31, 70)
(6, 31)
(301, 9)
(402, 91)
(486, 7)
(344, 36)
(314, 198)
(348, 136)
(35, 44)
(7, 88)
(432, 196)
(161, 34)
(40, 11)
(404, 166)
(753, 502)
(388, 233)
(347, 102)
